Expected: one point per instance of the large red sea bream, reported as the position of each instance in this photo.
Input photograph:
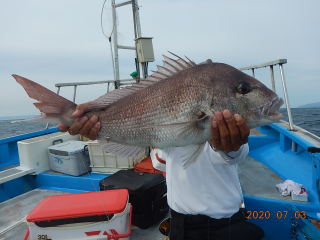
(174, 107)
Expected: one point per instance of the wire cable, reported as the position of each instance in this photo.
(102, 22)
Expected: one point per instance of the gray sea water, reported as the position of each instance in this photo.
(307, 118)
(8, 129)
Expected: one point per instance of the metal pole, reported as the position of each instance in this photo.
(135, 7)
(286, 97)
(134, 18)
(294, 146)
(122, 4)
(252, 69)
(115, 45)
(74, 93)
(272, 79)
(114, 75)
(135, 31)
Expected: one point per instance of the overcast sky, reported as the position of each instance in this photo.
(55, 41)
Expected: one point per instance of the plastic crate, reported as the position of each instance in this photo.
(102, 161)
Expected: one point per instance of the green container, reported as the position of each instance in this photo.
(134, 74)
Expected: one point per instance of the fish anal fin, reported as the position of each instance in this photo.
(119, 149)
(191, 153)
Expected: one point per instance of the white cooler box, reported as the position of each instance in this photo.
(69, 158)
(90, 215)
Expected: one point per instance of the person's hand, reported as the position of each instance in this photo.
(83, 126)
(228, 132)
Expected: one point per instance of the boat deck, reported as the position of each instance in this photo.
(13, 214)
(259, 181)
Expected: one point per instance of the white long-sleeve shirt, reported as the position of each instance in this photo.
(210, 186)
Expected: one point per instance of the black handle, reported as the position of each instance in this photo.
(58, 140)
(313, 150)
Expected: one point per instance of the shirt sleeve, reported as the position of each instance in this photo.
(164, 158)
(234, 157)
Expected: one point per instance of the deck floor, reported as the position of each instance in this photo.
(13, 214)
(259, 181)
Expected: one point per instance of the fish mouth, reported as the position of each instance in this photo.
(269, 110)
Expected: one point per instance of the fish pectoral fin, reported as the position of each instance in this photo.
(191, 153)
(119, 149)
(199, 122)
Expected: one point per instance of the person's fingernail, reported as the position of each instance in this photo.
(227, 114)
(83, 120)
(97, 125)
(237, 117)
(76, 112)
(94, 119)
(219, 115)
(214, 124)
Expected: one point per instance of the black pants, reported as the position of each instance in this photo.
(201, 227)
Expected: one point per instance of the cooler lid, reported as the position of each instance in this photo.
(79, 205)
(67, 148)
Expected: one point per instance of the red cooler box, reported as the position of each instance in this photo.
(103, 215)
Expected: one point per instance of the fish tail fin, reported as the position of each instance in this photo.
(54, 108)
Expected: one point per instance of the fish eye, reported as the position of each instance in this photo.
(244, 87)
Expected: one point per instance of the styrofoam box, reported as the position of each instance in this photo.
(302, 197)
(33, 151)
(68, 157)
(107, 162)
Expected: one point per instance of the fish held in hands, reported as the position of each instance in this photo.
(173, 107)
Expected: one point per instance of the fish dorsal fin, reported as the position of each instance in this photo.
(113, 96)
(208, 61)
(169, 68)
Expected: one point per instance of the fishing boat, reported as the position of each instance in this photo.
(278, 152)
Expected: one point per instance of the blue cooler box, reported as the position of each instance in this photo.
(69, 158)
